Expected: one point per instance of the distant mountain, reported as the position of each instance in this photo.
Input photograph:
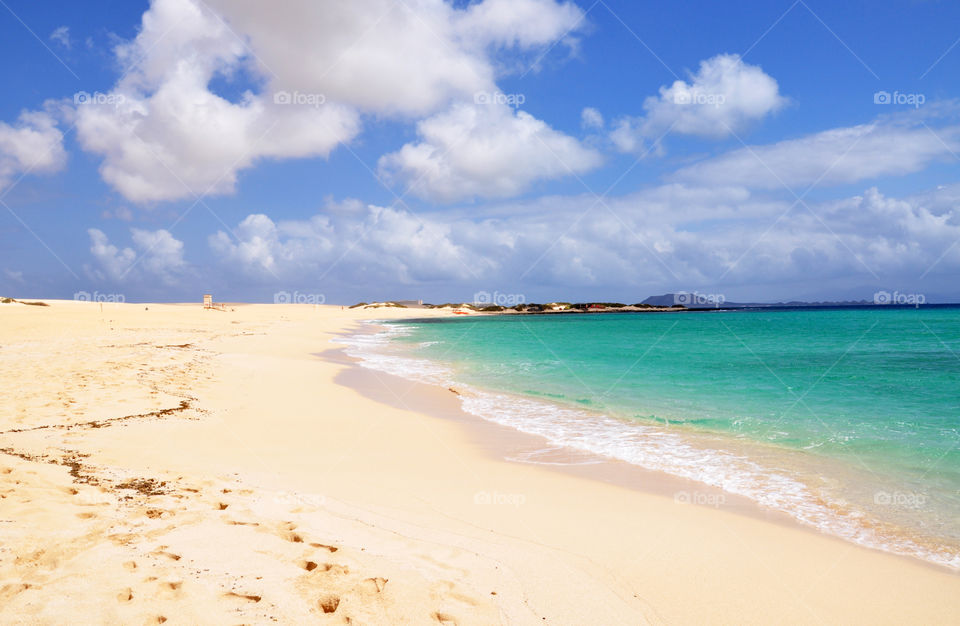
(667, 299)
(701, 301)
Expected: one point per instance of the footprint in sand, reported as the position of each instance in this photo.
(330, 549)
(313, 566)
(12, 589)
(373, 585)
(328, 602)
(445, 618)
(242, 596)
(171, 587)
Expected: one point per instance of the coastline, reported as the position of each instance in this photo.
(304, 463)
(506, 444)
(774, 481)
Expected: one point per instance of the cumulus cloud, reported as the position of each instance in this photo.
(33, 144)
(393, 57)
(836, 156)
(522, 23)
(349, 241)
(164, 134)
(158, 255)
(723, 97)
(485, 150)
(668, 238)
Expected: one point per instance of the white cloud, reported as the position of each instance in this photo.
(33, 144)
(158, 255)
(165, 135)
(591, 118)
(523, 23)
(349, 242)
(667, 238)
(841, 155)
(723, 97)
(486, 150)
(113, 262)
(61, 35)
(626, 137)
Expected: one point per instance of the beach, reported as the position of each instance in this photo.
(168, 464)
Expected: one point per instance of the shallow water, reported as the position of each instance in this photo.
(848, 420)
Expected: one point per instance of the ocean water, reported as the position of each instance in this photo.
(846, 419)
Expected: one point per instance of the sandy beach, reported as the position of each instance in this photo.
(165, 464)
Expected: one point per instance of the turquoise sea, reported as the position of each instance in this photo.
(846, 419)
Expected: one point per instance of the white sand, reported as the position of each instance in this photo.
(279, 494)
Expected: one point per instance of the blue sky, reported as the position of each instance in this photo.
(556, 150)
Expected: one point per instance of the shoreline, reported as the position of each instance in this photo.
(277, 463)
(514, 441)
(508, 445)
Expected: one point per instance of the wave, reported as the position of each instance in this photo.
(653, 447)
